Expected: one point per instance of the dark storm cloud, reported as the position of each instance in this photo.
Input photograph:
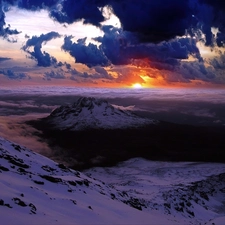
(31, 4)
(42, 58)
(113, 44)
(13, 75)
(149, 21)
(81, 9)
(36, 4)
(154, 21)
(212, 13)
(5, 31)
(89, 54)
(121, 48)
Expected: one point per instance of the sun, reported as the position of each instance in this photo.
(136, 85)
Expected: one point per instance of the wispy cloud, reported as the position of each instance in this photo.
(4, 59)
(130, 108)
(14, 129)
(14, 75)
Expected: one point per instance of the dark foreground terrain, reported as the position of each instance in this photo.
(162, 141)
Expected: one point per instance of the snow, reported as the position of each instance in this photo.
(36, 190)
(192, 192)
(217, 221)
(28, 195)
(94, 113)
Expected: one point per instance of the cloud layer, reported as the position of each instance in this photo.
(200, 106)
(154, 35)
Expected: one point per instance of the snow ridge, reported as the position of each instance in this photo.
(91, 113)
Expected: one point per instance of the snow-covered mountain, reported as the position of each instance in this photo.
(36, 190)
(91, 113)
(194, 193)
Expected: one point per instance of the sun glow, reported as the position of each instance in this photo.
(136, 85)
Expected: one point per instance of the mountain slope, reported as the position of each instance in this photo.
(93, 113)
(193, 193)
(36, 190)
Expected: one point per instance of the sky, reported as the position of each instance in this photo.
(111, 43)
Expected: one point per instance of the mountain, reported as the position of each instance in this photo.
(93, 132)
(37, 189)
(91, 113)
(193, 193)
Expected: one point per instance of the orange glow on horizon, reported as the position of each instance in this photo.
(136, 85)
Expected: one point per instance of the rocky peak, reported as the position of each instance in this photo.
(88, 112)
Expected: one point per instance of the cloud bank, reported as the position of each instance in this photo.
(176, 105)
